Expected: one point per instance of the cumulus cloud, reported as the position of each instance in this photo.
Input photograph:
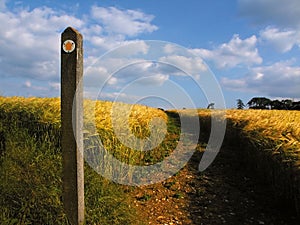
(234, 84)
(281, 79)
(95, 75)
(54, 86)
(185, 64)
(101, 76)
(124, 22)
(156, 79)
(111, 27)
(271, 12)
(135, 78)
(29, 42)
(282, 40)
(27, 84)
(143, 73)
(134, 48)
(120, 97)
(169, 49)
(235, 52)
(281, 18)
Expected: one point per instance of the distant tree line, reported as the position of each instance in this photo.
(265, 103)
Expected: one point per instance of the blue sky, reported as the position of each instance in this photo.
(251, 47)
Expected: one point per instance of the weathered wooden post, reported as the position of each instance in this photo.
(72, 118)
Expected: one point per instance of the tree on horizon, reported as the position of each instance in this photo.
(240, 104)
(259, 103)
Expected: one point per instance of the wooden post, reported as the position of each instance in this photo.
(72, 125)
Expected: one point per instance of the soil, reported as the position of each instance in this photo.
(222, 194)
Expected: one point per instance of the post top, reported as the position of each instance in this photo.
(71, 30)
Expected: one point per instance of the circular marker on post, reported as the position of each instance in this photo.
(68, 46)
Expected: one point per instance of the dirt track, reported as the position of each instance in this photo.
(223, 194)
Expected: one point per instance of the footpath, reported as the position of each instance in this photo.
(222, 194)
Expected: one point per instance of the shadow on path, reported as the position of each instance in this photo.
(225, 194)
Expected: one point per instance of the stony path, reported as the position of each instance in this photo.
(223, 194)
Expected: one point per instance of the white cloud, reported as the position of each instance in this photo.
(143, 73)
(282, 40)
(153, 79)
(116, 96)
(102, 41)
(133, 48)
(272, 12)
(233, 84)
(112, 81)
(95, 75)
(235, 52)
(282, 79)
(54, 85)
(125, 22)
(111, 27)
(139, 72)
(27, 84)
(173, 49)
(29, 42)
(169, 48)
(191, 65)
(103, 73)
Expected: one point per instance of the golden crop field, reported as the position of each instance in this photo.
(31, 160)
(44, 109)
(279, 128)
(267, 139)
(48, 110)
(267, 143)
(132, 121)
(274, 151)
(275, 133)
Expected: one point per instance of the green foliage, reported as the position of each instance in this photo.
(30, 188)
(106, 202)
(265, 103)
(145, 197)
(240, 104)
(178, 195)
(259, 103)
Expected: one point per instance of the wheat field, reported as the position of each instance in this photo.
(268, 140)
